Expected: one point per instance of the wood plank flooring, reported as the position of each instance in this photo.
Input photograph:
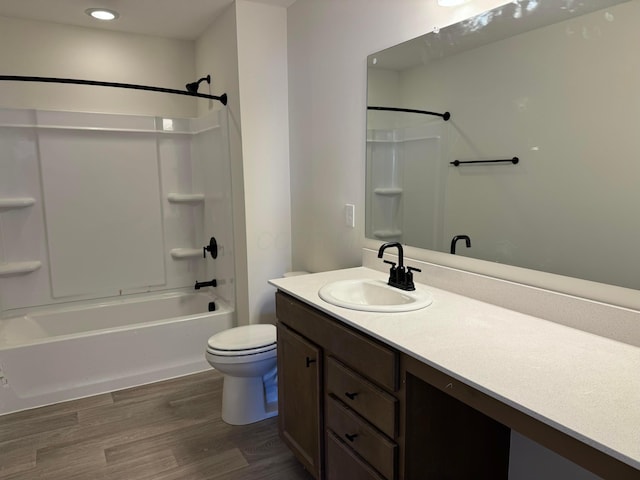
(170, 430)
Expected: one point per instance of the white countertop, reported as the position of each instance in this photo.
(581, 384)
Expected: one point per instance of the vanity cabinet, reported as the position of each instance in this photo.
(350, 409)
(358, 412)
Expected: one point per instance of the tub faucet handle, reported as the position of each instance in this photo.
(212, 248)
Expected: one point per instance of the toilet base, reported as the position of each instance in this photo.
(244, 400)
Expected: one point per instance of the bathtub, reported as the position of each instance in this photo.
(67, 352)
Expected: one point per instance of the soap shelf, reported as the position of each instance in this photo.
(388, 191)
(16, 202)
(18, 268)
(185, 253)
(191, 198)
(383, 234)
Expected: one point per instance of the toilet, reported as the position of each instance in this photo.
(246, 356)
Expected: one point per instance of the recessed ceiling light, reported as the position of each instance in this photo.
(451, 3)
(102, 13)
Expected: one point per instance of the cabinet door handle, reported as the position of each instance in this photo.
(310, 361)
(351, 396)
(351, 437)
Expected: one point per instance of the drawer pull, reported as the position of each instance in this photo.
(351, 437)
(310, 361)
(351, 396)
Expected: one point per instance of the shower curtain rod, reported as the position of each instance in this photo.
(17, 78)
(445, 116)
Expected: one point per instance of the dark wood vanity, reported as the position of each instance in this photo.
(352, 407)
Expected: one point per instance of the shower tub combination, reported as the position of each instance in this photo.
(61, 353)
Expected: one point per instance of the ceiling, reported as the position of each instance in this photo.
(183, 19)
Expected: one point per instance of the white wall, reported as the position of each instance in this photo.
(245, 50)
(328, 45)
(217, 55)
(32, 48)
(262, 58)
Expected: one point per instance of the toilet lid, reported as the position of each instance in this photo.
(249, 337)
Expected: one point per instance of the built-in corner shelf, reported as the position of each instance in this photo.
(190, 198)
(388, 191)
(18, 268)
(384, 234)
(16, 202)
(185, 253)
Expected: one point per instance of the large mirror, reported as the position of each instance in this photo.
(555, 84)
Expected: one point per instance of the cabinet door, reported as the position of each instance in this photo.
(299, 397)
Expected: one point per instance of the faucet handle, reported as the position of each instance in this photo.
(393, 264)
(212, 248)
(408, 279)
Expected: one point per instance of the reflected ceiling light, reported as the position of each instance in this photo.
(102, 13)
(452, 3)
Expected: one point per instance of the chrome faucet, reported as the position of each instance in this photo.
(399, 276)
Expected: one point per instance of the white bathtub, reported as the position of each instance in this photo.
(62, 353)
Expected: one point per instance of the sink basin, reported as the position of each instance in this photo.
(373, 296)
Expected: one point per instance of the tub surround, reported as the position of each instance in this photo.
(578, 383)
(103, 218)
(66, 241)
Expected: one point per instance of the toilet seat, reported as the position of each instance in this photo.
(243, 341)
(215, 357)
(241, 353)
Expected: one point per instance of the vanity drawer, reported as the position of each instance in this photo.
(368, 400)
(352, 347)
(363, 438)
(343, 463)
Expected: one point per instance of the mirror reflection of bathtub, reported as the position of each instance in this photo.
(59, 352)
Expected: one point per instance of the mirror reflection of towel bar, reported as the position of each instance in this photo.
(513, 160)
(445, 116)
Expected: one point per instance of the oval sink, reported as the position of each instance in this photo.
(373, 296)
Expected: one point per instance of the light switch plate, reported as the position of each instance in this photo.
(350, 215)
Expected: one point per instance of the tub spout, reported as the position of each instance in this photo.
(212, 283)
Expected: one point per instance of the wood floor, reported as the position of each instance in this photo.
(163, 431)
